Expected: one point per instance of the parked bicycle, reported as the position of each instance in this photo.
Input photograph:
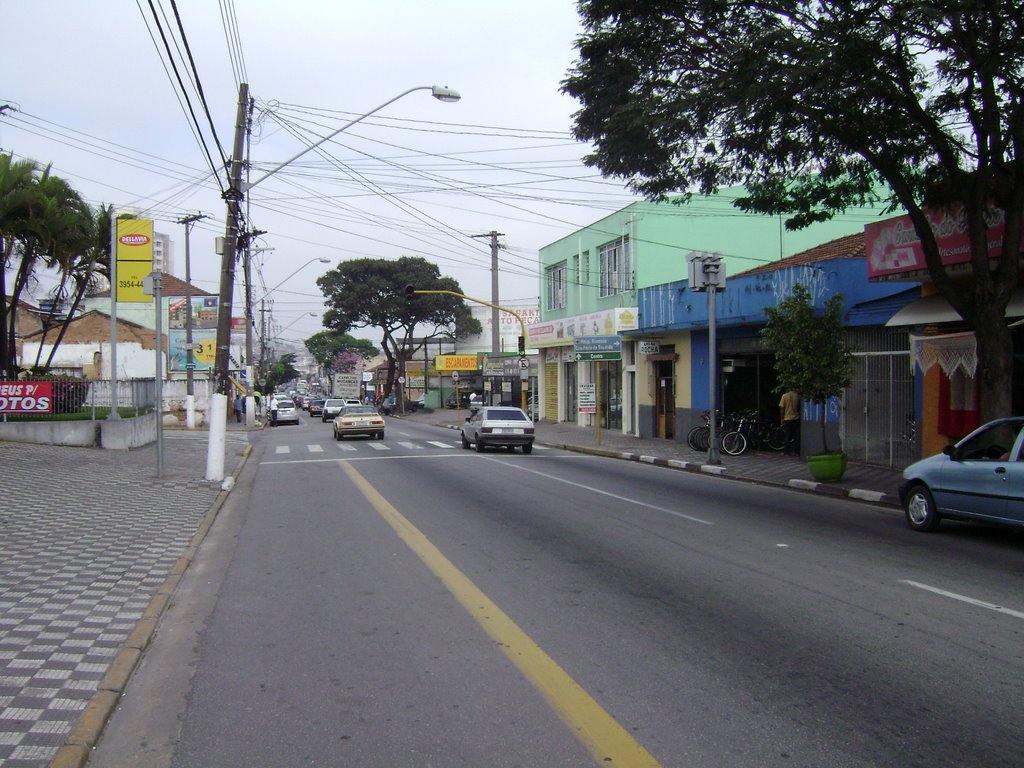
(752, 432)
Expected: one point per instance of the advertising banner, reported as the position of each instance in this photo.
(134, 259)
(893, 247)
(456, 363)
(26, 397)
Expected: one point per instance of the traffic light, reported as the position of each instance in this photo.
(410, 294)
(522, 345)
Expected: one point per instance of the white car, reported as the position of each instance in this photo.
(498, 426)
(287, 413)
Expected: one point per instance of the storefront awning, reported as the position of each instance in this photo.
(935, 309)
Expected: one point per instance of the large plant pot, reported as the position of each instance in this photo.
(827, 467)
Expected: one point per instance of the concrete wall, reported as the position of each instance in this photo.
(116, 435)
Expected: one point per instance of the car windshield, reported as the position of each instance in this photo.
(359, 410)
(505, 414)
(334, 403)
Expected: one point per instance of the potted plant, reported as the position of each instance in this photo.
(813, 358)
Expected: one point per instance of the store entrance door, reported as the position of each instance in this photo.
(665, 401)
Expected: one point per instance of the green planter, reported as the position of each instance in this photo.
(827, 467)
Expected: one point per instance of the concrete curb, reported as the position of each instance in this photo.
(87, 731)
(855, 494)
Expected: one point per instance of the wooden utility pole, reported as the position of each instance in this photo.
(233, 196)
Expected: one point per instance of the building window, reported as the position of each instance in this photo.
(616, 268)
(557, 287)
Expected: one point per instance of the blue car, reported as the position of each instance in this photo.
(979, 478)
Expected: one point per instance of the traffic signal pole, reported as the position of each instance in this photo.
(410, 291)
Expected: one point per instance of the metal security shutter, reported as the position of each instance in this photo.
(551, 391)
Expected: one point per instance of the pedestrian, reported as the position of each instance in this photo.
(257, 399)
(273, 410)
(238, 407)
(789, 413)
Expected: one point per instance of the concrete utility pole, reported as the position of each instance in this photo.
(190, 362)
(495, 326)
(233, 196)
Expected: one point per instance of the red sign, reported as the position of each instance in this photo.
(893, 247)
(133, 239)
(26, 397)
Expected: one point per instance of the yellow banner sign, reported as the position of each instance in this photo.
(134, 259)
(456, 363)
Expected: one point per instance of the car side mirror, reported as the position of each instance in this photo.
(950, 450)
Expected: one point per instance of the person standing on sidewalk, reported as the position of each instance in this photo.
(273, 410)
(789, 411)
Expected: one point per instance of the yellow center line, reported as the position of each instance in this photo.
(600, 733)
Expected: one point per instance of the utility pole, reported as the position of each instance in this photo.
(190, 363)
(495, 326)
(233, 196)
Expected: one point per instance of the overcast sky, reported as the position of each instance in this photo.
(93, 93)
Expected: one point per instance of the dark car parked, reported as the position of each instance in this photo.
(316, 407)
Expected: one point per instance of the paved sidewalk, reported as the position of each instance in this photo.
(90, 542)
(861, 481)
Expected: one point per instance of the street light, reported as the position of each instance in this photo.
(236, 193)
(439, 92)
(322, 260)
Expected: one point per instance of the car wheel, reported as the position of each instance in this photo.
(380, 435)
(479, 444)
(528, 448)
(920, 509)
(337, 435)
(465, 442)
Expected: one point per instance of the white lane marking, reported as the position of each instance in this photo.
(439, 444)
(379, 446)
(283, 449)
(965, 599)
(610, 495)
(410, 445)
(345, 447)
(315, 448)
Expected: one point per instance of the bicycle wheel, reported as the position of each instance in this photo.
(734, 443)
(774, 438)
(697, 438)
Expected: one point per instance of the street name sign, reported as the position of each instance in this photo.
(590, 348)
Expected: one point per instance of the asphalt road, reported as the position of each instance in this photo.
(409, 603)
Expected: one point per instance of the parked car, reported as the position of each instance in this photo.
(332, 407)
(287, 413)
(358, 420)
(466, 397)
(979, 478)
(316, 407)
(498, 426)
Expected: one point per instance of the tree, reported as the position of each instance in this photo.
(327, 345)
(811, 353)
(814, 107)
(370, 293)
(283, 370)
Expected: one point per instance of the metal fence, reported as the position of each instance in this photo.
(75, 396)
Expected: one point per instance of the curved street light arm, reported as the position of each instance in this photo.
(441, 93)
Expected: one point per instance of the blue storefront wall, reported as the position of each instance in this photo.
(740, 313)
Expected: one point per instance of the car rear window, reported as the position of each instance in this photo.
(506, 414)
(360, 410)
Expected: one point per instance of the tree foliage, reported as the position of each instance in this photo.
(812, 356)
(814, 106)
(281, 371)
(45, 226)
(370, 293)
(327, 345)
